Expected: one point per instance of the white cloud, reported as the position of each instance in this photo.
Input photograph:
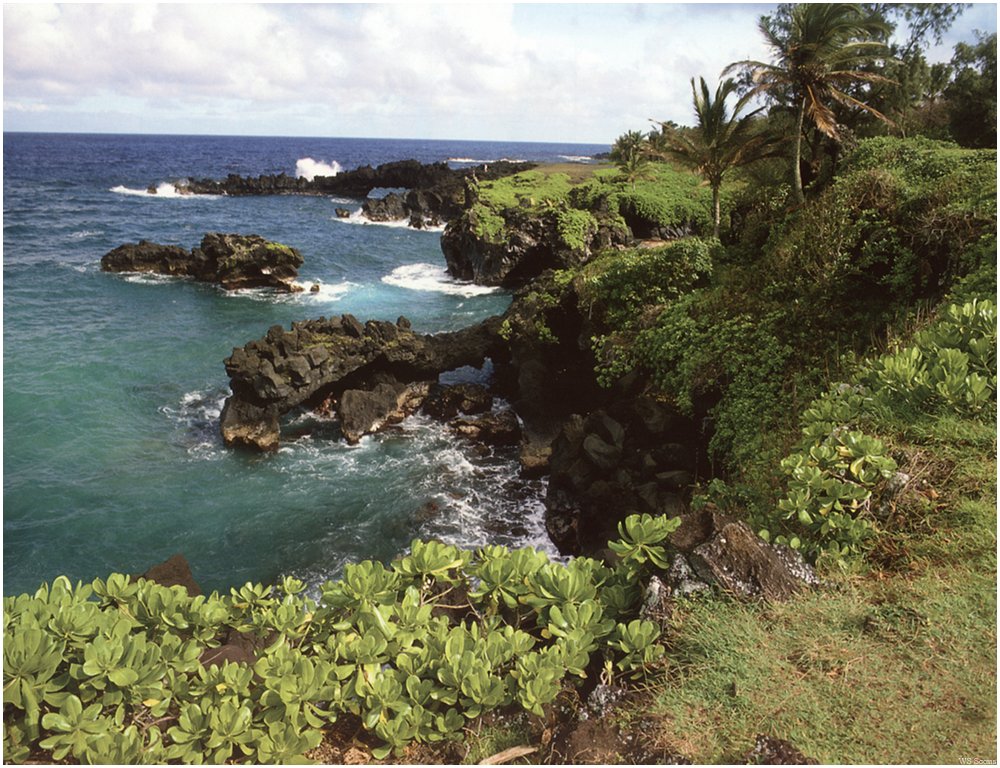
(546, 72)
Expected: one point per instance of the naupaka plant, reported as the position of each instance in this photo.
(117, 671)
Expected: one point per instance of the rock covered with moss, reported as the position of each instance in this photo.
(513, 229)
(229, 260)
(516, 246)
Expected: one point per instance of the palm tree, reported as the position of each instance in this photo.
(819, 49)
(629, 153)
(720, 142)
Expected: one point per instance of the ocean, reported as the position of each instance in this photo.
(112, 459)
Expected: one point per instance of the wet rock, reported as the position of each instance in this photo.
(436, 191)
(173, 571)
(324, 358)
(362, 412)
(231, 261)
(145, 256)
(388, 208)
(500, 428)
(342, 213)
(447, 402)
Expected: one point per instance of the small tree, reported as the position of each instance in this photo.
(630, 154)
(719, 142)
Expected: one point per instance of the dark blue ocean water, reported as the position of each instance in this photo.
(113, 384)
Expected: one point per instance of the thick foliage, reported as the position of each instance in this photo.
(112, 672)
(659, 197)
(904, 223)
(838, 473)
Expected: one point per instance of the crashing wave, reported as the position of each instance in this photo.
(358, 217)
(308, 169)
(165, 189)
(428, 277)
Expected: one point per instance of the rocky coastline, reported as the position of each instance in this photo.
(434, 193)
(607, 453)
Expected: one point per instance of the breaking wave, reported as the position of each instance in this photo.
(428, 277)
(165, 189)
(308, 169)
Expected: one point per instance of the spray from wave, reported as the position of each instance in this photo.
(428, 277)
(164, 189)
(308, 169)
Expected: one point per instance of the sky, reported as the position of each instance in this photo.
(506, 72)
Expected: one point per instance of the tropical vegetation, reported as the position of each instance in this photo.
(828, 319)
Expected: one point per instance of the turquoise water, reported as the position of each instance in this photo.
(113, 384)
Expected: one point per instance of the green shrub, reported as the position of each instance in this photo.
(110, 672)
(621, 285)
(838, 472)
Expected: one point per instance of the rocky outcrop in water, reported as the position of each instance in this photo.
(327, 360)
(434, 191)
(231, 261)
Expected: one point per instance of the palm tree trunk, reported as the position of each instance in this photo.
(716, 209)
(797, 160)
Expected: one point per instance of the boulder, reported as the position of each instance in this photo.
(231, 261)
(388, 208)
(363, 411)
(445, 402)
(145, 256)
(173, 571)
(500, 428)
(727, 553)
(317, 360)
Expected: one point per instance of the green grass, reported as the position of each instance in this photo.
(894, 662)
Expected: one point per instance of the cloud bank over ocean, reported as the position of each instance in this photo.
(514, 72)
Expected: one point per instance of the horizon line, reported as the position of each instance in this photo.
(299, 136)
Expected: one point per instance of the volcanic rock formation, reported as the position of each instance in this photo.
(231, 261)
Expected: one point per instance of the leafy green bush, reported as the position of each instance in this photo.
(837, 473)
(111, 672)
(664, 197)
(621, 285)
(952, 364)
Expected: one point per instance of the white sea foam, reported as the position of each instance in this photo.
(84, 233)
(358, 217)
(164, 189)
(576, 158)
(327, 293)
(473, 161)
(308, 169)
(196, 417)
(149, 278)
(428, 277)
